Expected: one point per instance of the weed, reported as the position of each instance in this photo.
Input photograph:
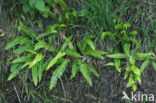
(126, 51)
(30, 51)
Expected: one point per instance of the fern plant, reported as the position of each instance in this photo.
(125, 54)
(30, 54)
(31, 51)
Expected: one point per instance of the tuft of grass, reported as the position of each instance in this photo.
(98, 14)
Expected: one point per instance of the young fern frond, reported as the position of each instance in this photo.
(14, 71)
(14, 42)
(58, 72)
(75, 68)
(85, 73)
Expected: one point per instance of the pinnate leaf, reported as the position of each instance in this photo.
(66, 43)
(144, 65)
(127, 48)
(28, 31)
(35, 74)
(37, 59)
(136, 70)
(85, 73)
(75, 69)
(22, 49)
(21, 59)
(58, 73)
(90, 43)
(42, 44)
(72, 53)
(93, 70)
(14, 42)
(118, 55)
(15, 68)
(54, 60)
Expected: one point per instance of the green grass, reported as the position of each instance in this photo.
(98, 15)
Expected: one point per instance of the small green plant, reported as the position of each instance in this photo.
(125, 53)
(32, 51)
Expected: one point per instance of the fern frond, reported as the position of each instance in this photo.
(58, 73)
(54, 60)
(14, 42)
(35, 74)
(85, 73)
(38, 58)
